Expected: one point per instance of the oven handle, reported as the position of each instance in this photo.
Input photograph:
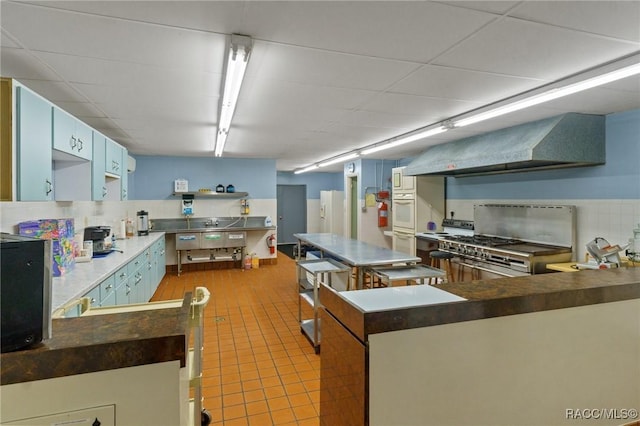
(487, 270)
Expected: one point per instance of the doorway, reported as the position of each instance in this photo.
(292, 212)
(353, 206)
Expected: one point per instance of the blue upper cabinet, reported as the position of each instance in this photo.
(71, 136)
(98, 183)
(124, 177)
(113, 163)
(33, 145)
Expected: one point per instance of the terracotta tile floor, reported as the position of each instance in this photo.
(258, 367)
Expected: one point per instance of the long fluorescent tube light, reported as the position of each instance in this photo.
(306, 169)
(237, 61)
(407, 139)
(338, 159)
(551, 94)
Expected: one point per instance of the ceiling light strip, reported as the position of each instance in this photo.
(339, 159)
(550, 95)
(239, 51)
(407, 139)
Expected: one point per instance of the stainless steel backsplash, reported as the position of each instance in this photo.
(546, 224)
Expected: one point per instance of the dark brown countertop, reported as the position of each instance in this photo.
(103, 342)
(492, 298)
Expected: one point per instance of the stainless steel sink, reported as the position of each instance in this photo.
(201, 223)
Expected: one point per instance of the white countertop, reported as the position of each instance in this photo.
(85, 276)
(382, 299)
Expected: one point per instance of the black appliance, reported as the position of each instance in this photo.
(100, 237)
(25, 291)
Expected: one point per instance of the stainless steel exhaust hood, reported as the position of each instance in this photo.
(568, 140)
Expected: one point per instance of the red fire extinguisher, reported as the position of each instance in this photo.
(383, 215)
(271, 243)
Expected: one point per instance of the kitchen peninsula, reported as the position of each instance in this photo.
(123, 368)
(512, 351)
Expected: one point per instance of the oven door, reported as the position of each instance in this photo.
(404, 213)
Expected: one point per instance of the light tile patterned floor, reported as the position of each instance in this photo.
(258, 367)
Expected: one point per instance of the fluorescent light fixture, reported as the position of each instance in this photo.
(406, 139)
(237, 61)
(306, 169)
(339, 159)
(552, 94)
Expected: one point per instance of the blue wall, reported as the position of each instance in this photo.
(619, 178)
(376, 173)
(315, 182)
(154, 175)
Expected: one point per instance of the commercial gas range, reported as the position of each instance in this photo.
(533, 236)
(503, 256)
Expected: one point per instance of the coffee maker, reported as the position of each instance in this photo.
(101, 237)
(143, 222)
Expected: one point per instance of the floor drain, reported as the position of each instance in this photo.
(218, 319)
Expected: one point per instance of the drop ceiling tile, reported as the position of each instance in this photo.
(327, 69)
(460, 84)
(431, 109)
(113, 39)
(411, 31)
(23, 66)
(617, 19)
(526, 49)
(498, 7)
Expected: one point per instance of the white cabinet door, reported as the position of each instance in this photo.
(33, 136)
(404, 242)
(103, 416)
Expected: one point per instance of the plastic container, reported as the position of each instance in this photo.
(255, 261)
(247, 262)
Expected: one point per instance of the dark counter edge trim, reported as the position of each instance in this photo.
(363, 324)
(158, 349)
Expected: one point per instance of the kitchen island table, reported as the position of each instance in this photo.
(357, 254)
(515, 351)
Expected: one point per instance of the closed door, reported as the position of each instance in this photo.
(292, 212)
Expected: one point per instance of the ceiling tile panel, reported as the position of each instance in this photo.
(526, 49)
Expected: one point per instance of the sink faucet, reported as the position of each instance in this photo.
(211, 222)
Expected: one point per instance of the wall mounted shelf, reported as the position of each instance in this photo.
(212, 194)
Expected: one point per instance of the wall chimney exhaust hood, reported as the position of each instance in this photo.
(568, 140)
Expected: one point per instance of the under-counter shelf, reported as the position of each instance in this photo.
(310, 273)
(212, 194)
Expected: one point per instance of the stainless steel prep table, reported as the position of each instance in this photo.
(357, 254)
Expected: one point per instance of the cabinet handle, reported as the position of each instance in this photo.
(49, 186)
(162, 252)
(109, 287)
(73, 142)
(104, 191)
(123, 275)
(80, 145)
(128, 290)
(93, 300)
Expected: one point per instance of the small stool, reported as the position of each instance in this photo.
(442, 260)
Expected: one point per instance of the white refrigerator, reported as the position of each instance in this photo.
(332, 212)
